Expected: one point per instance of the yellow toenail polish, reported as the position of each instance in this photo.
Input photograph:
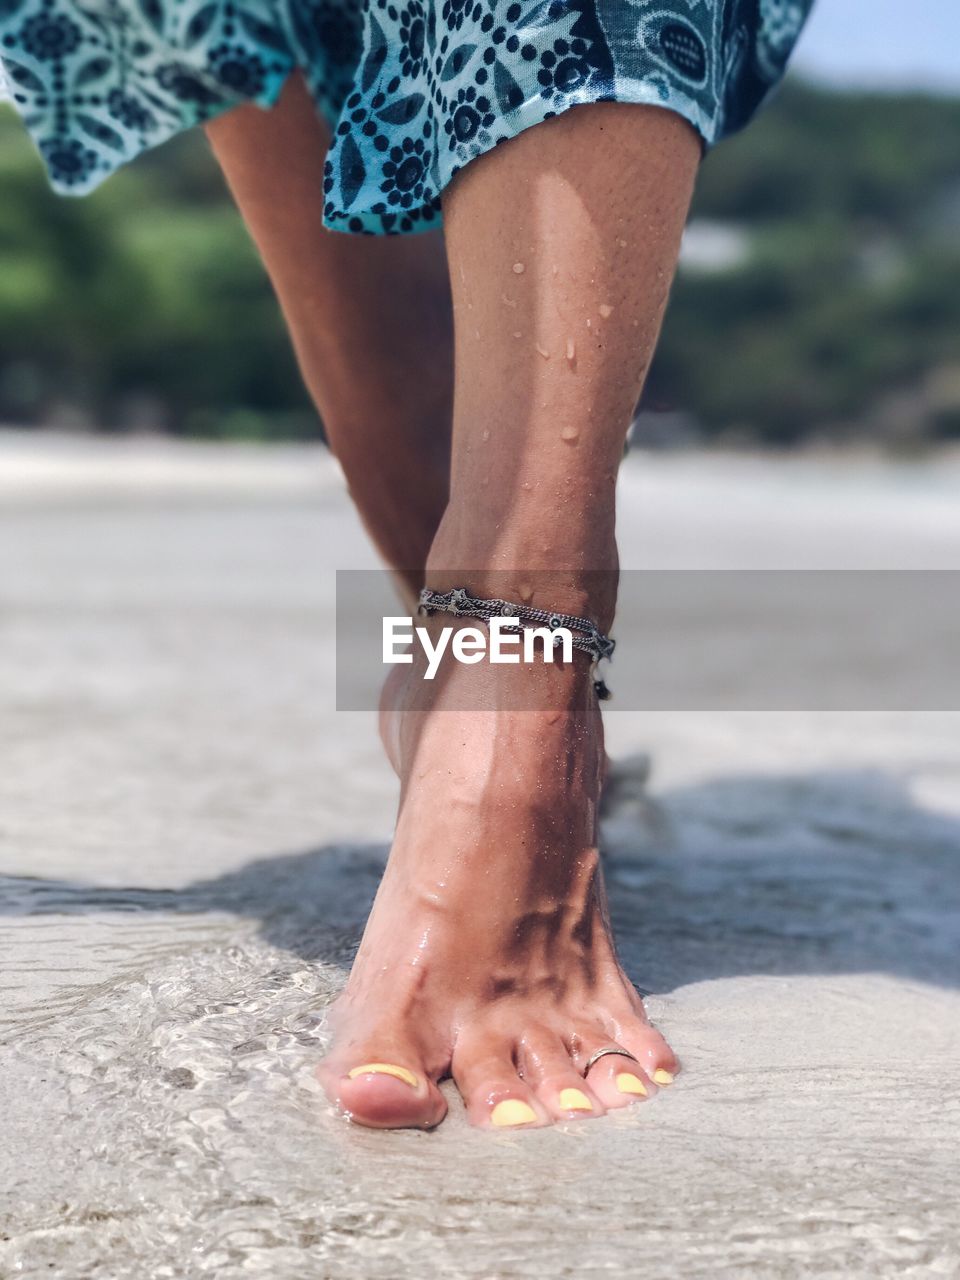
(627, 1082)
(662, 1077)
(385, 1069)
(511, 1112)
(574, 1100)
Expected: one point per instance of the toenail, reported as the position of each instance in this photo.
(627, 1082)
(662, 1077)
(574, 1100)
(512, 1112)
(385, 1069)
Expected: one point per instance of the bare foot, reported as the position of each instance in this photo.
(488, 954)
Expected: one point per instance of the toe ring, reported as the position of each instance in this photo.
(603, 1053)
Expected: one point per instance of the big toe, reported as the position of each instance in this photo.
(383, 1095)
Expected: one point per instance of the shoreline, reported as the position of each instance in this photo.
(36, 461)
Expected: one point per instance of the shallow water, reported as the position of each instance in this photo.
(187, 850)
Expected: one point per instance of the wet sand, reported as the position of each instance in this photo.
(189, 838)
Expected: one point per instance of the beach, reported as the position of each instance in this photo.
(190, 835)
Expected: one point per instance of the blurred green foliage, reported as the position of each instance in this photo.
(142, 304)
(843, 315)
(838, 314)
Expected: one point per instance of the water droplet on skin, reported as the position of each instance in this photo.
(517, 333)
(589, 322)
(555, 270)
(526, 486)
(571, 349)
(510, 302)
(518, 268)
(606, 309)
(622, 244)
(525, 592)
(485, 434)
(543, 352)
(570, 432)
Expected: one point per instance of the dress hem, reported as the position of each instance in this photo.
(532, 112)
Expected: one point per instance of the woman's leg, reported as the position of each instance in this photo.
(488, 952)
(369, 317)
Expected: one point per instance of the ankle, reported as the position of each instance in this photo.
(548, 568)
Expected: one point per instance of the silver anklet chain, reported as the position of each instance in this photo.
(585, 635)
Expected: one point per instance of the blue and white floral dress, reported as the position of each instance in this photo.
(412, 89)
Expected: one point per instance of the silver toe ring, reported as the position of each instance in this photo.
(603, 1053)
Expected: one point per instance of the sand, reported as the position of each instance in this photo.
(189, 836)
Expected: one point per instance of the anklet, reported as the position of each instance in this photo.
(585, 635)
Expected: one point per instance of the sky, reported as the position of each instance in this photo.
(883, 43)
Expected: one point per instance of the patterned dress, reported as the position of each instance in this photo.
(412, 89)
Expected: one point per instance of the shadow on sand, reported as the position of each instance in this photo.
(819, 873)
